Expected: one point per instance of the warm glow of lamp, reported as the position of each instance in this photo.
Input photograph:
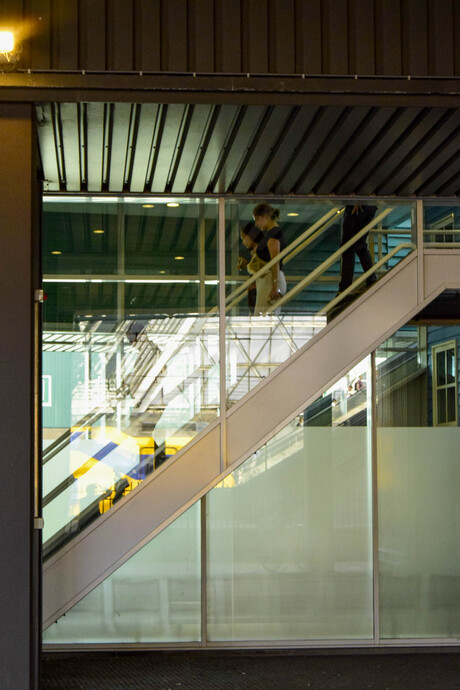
(172, 204)
(98, 232)
(6, 41)
(293, 214)
(179, 258)
(56, 252)
(147, 205)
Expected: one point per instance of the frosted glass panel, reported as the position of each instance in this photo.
(153, 597)
(418, 485)
(419, 518)
(289, 539)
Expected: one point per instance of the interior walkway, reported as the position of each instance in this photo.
(256, 670)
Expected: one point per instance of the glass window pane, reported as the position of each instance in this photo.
(442, 225)
(450, 366)
(289, 533)
(130, 346)
(451, 404)
(418, 496)
(154, 597)
(441, 368)
(441, 397)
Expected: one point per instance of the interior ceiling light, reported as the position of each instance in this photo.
(56, 252)
(98, 232)
(179, 258)
(148, 205)
(172, 204)
(293, 214)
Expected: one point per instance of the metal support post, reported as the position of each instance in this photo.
(222, 338)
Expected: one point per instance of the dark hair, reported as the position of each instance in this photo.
(266, 209)
(254, 233)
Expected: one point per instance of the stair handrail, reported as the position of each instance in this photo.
(304, 239)
(67, 436)
(338, 298)
(311, 277)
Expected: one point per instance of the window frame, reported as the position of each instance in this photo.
(435, 349)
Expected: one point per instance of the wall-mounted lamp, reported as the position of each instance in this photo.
(9, 48)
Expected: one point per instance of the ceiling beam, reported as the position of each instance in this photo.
(138, 87)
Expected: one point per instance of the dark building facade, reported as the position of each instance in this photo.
(237, 100)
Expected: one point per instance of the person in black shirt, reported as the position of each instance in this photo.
(355, 219)
(272, 284)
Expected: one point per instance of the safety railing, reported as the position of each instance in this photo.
(314, 275)
(443, 238)
(108, 468)
(306, 238)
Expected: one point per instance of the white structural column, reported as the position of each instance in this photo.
(222, 339)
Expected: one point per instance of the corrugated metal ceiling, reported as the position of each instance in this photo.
(250, 149)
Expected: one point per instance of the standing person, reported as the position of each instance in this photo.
(272, 284)
(355, 219)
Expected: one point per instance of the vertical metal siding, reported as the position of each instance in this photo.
(201, 40)
(255, 24)
(335, 38)
(415, 37)
(388, 37)
(456, 34)
(64, 36)
(308, 37)
(147, 36)
(38, 49)
(228, 36)
(440, 38)
(174, 36)
(119, 37)
(383, 37)
(361, 37)
(281, 32)
(92, 22)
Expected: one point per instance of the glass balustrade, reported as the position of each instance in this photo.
(441, 226)
(262, 335)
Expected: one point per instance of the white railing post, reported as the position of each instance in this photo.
(420, 251)
(222, 338)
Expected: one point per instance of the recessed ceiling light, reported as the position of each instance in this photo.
(148, 205)
(56, 252)
(172, 204)
(293, 214)
(179, 258)
(98, 232)
(88, 316)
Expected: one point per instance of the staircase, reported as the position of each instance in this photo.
(227, 442)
